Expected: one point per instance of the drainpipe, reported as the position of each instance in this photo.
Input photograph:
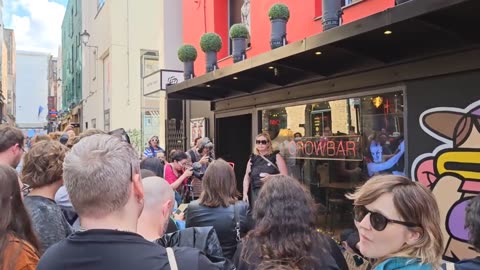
(331, 13)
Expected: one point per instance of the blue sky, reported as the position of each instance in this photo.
(37, 23)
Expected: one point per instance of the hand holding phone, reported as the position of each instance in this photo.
(181, 208)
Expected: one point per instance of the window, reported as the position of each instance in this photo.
(239, 12)
(334, 145)
(71, 23)
(106, 83)
(73, 58)
(106, 119)
(349, 2)
(94, 123)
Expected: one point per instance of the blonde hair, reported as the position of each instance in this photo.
(55, 135)
(416, 204)
(40, 137)
(269, 142)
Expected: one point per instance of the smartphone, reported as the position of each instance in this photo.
(76, 125)
(181, 208)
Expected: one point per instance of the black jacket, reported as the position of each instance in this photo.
(110, 249)
(202, 238)
(223, 221)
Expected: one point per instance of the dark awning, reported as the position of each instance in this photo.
(421, 29)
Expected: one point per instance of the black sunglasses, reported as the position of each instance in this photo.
(379, 222)
(264, 142)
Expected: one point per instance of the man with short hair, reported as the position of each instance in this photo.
(101, 175)
(159, 200)
(11, 145)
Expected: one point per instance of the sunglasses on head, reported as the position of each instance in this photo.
(264, 142)
(378, 221)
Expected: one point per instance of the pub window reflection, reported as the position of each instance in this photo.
(333, 146)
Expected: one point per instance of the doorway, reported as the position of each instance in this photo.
(233, 136)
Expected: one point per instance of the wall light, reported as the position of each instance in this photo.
(387, 32)
(318, 53)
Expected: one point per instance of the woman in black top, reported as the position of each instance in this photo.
(261, 166)
(218, 207)
(285, 233)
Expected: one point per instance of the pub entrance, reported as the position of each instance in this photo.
(233, 142)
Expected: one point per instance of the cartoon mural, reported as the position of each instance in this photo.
(452, 170)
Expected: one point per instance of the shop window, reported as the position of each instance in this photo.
(332, 146)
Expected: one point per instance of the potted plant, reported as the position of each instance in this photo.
(187, 54)
(331, 14)
(239, 35)
(279, 15)
(211, 43)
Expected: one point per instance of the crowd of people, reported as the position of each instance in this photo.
(94, 204)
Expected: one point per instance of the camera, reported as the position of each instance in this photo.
(205, 143)
(197, 170)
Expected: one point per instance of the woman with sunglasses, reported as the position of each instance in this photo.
(398, 223)
(153, 149)
(261, 166)
(18, 243)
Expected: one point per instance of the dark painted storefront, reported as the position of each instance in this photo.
(420, 84)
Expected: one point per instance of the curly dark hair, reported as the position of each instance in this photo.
(271, 265)
(285, 225)
(472, 221)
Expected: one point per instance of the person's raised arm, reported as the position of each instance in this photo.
(246, 181)
(282, 166)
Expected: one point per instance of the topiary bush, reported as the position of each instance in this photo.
(279, 11)
(187, 53)
(210, 42)
(238, 30)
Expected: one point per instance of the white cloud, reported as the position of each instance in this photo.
(37, 24)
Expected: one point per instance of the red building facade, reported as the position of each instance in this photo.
(201, 16)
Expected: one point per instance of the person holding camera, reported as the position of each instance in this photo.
(202, 152)
(177, 173)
